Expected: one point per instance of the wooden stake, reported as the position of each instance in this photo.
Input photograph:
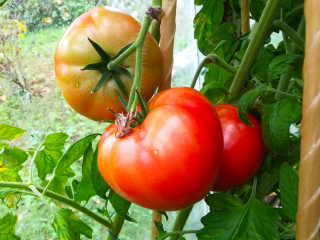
(308, 216)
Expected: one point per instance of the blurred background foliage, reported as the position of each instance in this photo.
(30, 98)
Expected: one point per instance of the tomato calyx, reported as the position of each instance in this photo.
(125, 123)
(107, 73)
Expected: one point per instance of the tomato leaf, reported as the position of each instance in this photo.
(68, 227)
(71, 188)
(276, 121)
(205, 22)
(8, 132)
(243, 189)
(246, 99)
(58, 182)
(85, 190)
(235, 4)
(216, 93)
(6, 191)
(230, 219)
(98, 183)
(164, 214)
(256, 8)
(75, 152)
(104, 77)
(289, 181)
(47, 158)
(7, 225)
(2, 2)
(259, 70)
(119, 204)
(278, 65)
(120, 83)
(161, 232)
(198, 2)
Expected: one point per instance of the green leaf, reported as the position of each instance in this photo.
(68, 227)
(164, 214)
(161, 232)
(259, 70)
(71, 188)
(58, 182)
(230, 219)
(104, 77)
(276, 121)
(75, 152)
(8, 132)
(13, 157)
(243, 189)
(198, 2)
(47, 158)
(6, 191)
(85, 190)
(289, 181)
(122, 50)
(120, 84)
(235, 4)
(216, 93)
(119, 204)
(2, 2)
(246, 99)
(11, 197)
(206, 20)
(7, 225)
(278, 65)
(100, 186)
(287, 4)
(256, 8)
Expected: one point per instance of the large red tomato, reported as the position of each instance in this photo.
(243, 152)
(112, 29)
(171, 160)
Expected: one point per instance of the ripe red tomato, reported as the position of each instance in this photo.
(243, 152)
(170, 161)
(112, 29)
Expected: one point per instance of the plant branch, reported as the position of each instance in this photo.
(117, 223)
(62, 199)
(180, 221)
(155, 25)
(30, 180)
(292, 34)
(258, 39)
(213, 58)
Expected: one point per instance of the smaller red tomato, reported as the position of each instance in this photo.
(243, 151)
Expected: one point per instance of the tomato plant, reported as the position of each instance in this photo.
(170, 161)
(243, 150)
(112, 30)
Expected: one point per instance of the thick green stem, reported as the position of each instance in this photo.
(267, 178)
(155, 25)
(138, 70)
(139, 42)
(285, 78)
(292, 34)
(118, 223)
(30, 181)
(212, 58)
(178, 233)
(180, 221)
(62, 199)
(258, 39)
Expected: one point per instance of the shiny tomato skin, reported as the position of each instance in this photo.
(112, 29)
(171, 160)
(243, 152)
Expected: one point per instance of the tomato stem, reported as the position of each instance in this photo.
(180, 221)
(62, 199)
(213, 58)
(155, 25)
(118, 223)
(258, 39)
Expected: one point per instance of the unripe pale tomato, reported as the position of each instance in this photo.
(112, 29)
(170, 161)
(243, 151)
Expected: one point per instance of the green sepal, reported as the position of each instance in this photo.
(105, 56)
(114, 113)
(143, 104)
(120, 83)
(125, 72)
(102, 80)
(138, 120)
(123, 101)
(122, 50)
(110, 121)
(94, 66)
